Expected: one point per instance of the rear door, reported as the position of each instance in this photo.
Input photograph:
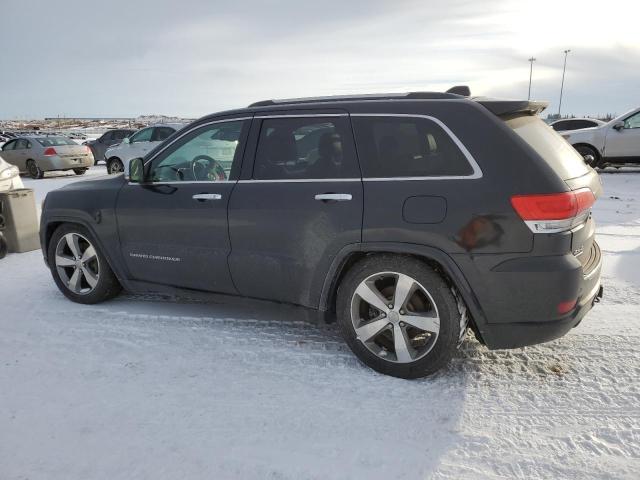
(173, 228)
(296, 207)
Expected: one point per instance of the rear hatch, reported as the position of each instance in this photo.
(567, 163)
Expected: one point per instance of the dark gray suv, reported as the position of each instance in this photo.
(409, 218)
(107, 139)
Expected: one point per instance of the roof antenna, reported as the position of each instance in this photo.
(460, 90)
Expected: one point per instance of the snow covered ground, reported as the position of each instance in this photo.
(142, 387)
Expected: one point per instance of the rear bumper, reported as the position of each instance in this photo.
(519, 298)
(59, 163)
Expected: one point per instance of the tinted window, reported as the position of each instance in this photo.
(305, 148)
(561, 126)
(142, 135)
(161, 133)
(554, 149)
(107, 136)
(407, 147)
(55, 141)
(120, 134)
(583, 124)
(206, 154)
(21, 144)
(10, 145)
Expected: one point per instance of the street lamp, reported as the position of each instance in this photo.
(562, 84)
(531, 60)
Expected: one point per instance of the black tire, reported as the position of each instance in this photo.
(4, 248)
(115, 166)
(34, 170)
(585, 150)
(80, 171)
(107, 285)
(446, 342)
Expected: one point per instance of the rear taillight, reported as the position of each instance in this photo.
(50, 152)
(87, 149)
(554, 212)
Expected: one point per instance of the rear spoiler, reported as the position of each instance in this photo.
(511, 107)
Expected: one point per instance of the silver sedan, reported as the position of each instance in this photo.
(38, 154)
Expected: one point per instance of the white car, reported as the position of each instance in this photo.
(138, 145)
(9, 177)
(615, 142)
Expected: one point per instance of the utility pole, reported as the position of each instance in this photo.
(531, 60)
(566, 52)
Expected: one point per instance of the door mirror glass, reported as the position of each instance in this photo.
(125, 140)
(618, 125)
(136, 170)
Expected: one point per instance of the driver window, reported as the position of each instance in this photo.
(204, 155)
(142, 135)
(633, 121)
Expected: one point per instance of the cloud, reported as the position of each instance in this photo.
(192, 58)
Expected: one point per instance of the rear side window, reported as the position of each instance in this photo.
(305, 148)
(407, 147)
(554, 149)
(161, 133)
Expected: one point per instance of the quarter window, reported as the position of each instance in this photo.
(305, 148)
(407, 147)
(208, 154)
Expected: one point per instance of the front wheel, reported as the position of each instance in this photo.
(589, 155)
(80, 171)
(115, 166)
(79, 268)
(398, 316)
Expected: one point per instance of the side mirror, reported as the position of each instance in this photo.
(136, 170)
(619, 125)
(126, 140)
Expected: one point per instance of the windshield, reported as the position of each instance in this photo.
(554, 149)
(55, 141)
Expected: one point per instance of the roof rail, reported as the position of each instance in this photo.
(346, 98)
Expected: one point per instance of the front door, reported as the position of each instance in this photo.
(296, 209)
(173, 227)
(626, 141)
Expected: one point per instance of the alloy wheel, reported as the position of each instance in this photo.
(395, 317)
(116, 167)
(77, 263)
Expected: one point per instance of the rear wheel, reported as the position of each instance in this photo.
(34, 169)
(589, 155)
(80, 171)
(79, 268)
(398, 316)
(115, 166)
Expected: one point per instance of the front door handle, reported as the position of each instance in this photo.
(336, 197)
(203, 197)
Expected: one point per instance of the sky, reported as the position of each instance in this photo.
(83, 58)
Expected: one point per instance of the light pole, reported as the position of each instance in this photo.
(531, 60)
(566, 52)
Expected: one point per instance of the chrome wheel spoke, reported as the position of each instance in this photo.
(400, 344)
(368, 292)
(73, 244)
(90, 277)
(404, 289)
(371, 329)
(75, 281)
(428, 324)
(64, 261)
(89, 254)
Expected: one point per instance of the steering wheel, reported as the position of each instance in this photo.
(206, 168)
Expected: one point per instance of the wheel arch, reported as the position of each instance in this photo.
(589, 145)
(437, 259)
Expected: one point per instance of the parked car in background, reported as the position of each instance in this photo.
(420, 234)
(108, 139)
(9, 177)
(575, 124)
(614, 143)
(36, 155)
(138, 145)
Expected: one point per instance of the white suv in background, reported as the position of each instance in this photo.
(615, 142)
(138, 145)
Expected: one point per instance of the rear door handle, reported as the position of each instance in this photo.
(203, 197)
(337, 197)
